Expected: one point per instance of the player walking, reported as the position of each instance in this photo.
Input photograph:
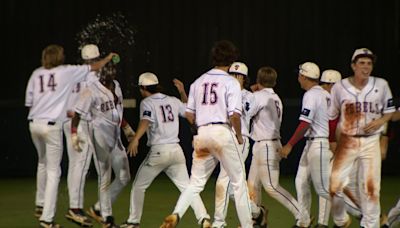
(215, 105)
(46, 95)
(159, 117)
(103, 101)
(364, 104)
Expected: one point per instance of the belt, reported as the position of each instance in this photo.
(276, 139)
(362, 136)
(48, 123)
(312, 138)
(213, 123)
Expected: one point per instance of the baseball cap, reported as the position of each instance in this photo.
(147, 79)
(90, 51)
(330, 76)
(309, 69)
(363, 52)
(238, 68)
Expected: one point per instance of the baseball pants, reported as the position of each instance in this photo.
(168, 158)
(48, 140)
(78, 162)
(223, 189)
(394, 215)
(367, 151)
(217, 143)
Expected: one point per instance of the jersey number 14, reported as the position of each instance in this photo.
(50, 83)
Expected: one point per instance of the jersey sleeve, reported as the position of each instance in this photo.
(146, 111)
(78, 72)
(181, 106)
(308, 108)
(388, 101)
(84, 102)
(29, 93)
(234, 97)
(190, 107)
(249, 104)
(334, 107)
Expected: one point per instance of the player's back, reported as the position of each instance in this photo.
(163, 112)
(214, 96)
(48, 90)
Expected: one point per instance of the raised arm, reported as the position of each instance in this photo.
(99, 64)
(181, 89)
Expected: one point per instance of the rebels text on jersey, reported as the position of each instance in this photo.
(360, 107)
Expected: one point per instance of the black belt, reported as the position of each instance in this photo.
(276, 139)
(48, 123)
(312, 138)
(362, 136)
(213, 123)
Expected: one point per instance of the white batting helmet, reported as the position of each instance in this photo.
(147, 79)
(363, 52)
(309, 69)
(331, 76)
(90, 51)
(238, 68)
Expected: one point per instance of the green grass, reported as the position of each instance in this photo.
(17, 203)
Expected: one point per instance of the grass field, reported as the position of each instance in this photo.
(17, 203)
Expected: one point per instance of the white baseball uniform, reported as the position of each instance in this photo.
(223, 187)
(106, 111)
(357, 108)
(394, 216)
(165, 155)
(315, 161)
(213, 98)
(265, 162)
(78, 162)
(46, 96)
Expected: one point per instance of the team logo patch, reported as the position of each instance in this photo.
(305, 112)
(147, 113)
(390, 102)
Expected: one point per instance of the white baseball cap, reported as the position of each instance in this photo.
(309, 69)
(363, 52)
(238, 68)
(147, 79)
(331, 76)
(90, 51)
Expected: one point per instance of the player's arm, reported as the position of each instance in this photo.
(396, 116)
(296, 137)
(99, 64)
(181, 89)
(128, 131)
(134, 143)
(376, 124)
(236, 124)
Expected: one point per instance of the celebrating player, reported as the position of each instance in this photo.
(215, 105)
(159, 117)
(363, 104)
(46, 95)
(102, 100)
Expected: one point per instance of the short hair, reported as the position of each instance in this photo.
(153, 88)
(224, 53)
(266, 76)
(52, 56)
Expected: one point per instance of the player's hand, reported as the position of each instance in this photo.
(129, 132)
(70, 114)
(332, 147)
(373, 126)
(240, 139)
(76, 141)
(133, 147)
(285, 150)
(254, 87)
(179, 85)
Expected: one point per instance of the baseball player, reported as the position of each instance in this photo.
(102, 100)
(159, 118)
(223, 188)
(363, 104)
(314, 163)
(46, 96)
(266, 135)
(215, 106)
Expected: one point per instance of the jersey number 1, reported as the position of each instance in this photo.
(50, 83)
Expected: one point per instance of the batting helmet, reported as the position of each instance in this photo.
(148, 79)
(309, 69)
(331, 76)
(90, 51)
(238, 68)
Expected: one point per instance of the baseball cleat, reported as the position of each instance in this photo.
(109, 223)
(129, 225)
(78, 216)
(261, 220)
(346, 225)
(95, 214)
(45, 224)
(205, 223)
(170, 221)
(38, 211)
